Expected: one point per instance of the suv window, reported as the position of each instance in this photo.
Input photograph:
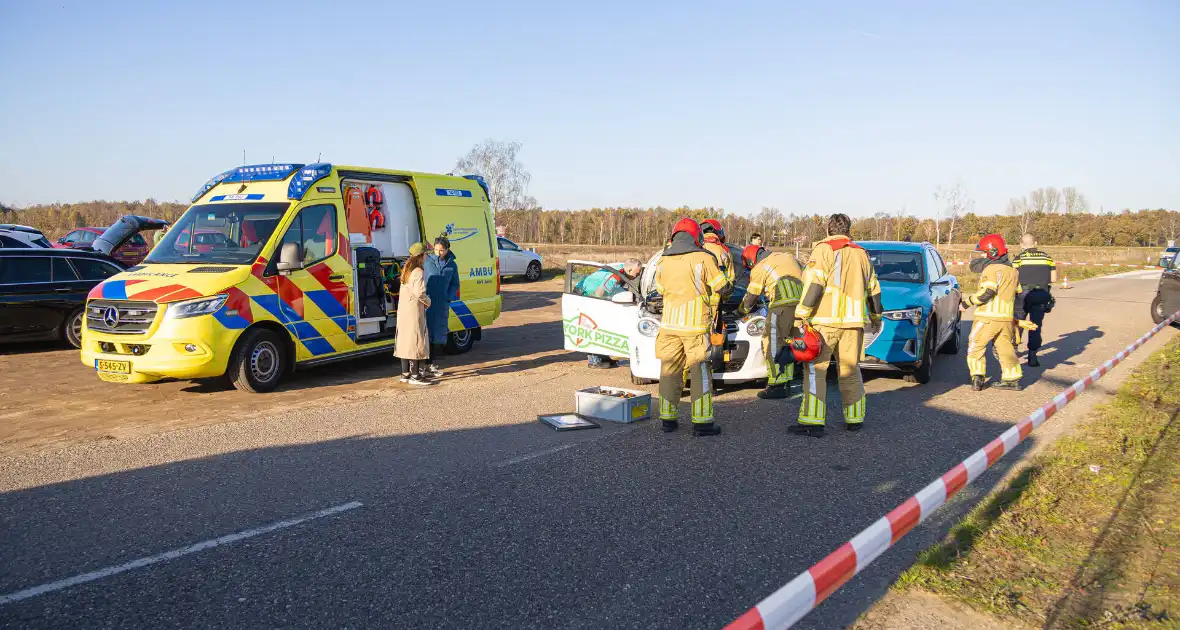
(934, 265)
(11, 242)
(87, 237)
(138, 241)
(507, 244)
(62, 271)
(24, 270)
(314, 230)
(91, 269)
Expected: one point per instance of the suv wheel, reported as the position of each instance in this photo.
(533, 272)
(71, 328)
(1157, 310)
(952, 345)
(921, 375)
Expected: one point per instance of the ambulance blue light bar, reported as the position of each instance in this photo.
(306, 178)
(261, 173)
(253, 173)
(482, 184)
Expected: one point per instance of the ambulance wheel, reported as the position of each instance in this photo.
(258, 363)
(460, 341)
(635, 380)
(921, 375)
(952, 345)
(71, 329)
(533, 272)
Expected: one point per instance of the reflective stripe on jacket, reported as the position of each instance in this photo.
(848, 281)
(689, 283)
(1001, 281)
(779, 277)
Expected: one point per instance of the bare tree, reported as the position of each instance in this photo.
(496, 162)
(1075, 202)
(952, 203)
(1023, 208)
(1046, 200)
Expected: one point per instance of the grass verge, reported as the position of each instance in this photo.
(1088, 534)
(970, 281)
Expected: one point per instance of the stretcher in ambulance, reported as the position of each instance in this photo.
(623, 321)
(282, 266)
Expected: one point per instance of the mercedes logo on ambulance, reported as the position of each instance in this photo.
(110, 317)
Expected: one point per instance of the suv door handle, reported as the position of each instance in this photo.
(63, 290)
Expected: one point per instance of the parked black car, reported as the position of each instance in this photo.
(43, 292)
(1167, 293)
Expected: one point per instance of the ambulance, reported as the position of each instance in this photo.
(277, 267)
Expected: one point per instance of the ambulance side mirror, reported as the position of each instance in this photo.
(290, 258)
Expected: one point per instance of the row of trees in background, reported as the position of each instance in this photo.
(650, 226)
(57, 219)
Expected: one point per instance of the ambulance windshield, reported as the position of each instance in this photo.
(223, 233)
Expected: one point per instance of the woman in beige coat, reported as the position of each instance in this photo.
(413, 341)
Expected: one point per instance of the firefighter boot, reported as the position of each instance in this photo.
(807, 430)
(1032, 360)
(773, 392)
(668, 426)
(978, 383)
(705, 429)
(1014, 385)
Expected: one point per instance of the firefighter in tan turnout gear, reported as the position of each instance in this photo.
(995, 303)
(840, 296)
(779, 278)
(691, 284)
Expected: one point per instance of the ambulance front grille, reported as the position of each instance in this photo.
(120, 317)
(210, 269)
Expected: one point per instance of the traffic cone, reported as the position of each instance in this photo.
(1065, 283)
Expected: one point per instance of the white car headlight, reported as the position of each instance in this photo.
(756, 326)
(648, 327)
(197, 307)
(912, 314)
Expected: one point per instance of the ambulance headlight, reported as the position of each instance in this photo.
(756, 326)
(648, 327)
(912, 314)
(197, 307)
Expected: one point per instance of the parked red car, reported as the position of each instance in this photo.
(130, 254)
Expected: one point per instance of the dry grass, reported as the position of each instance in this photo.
(1088, 535)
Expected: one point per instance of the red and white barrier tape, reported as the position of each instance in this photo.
(1081, 264)
(791, 602)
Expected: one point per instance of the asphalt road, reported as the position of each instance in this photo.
(474, 515)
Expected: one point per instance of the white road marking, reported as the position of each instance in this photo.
(171, 555)
(535, 454)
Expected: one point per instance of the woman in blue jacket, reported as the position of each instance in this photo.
(442, 286)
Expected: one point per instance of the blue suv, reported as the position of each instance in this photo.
(921, 302)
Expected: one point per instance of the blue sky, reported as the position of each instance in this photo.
(811, 107)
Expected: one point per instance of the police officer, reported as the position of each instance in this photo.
(779, 278)
(996, 303)
(840, 296)
(691, 283)
(1037, 273)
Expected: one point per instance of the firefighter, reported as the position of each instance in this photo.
(713, 237)
(690, 283)
(840, 296)
(1036, 272)
(996, 302)
(779, 277)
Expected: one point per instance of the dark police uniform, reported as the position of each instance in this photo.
(1036, 270)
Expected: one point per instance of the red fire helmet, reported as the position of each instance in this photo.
(714, 226)
(807, 346)
(691, 227)
(993, 246)
(750, 255)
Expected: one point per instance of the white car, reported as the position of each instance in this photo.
(22, 237)
(515, 261)
(625, 324)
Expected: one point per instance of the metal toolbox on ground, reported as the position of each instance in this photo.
(613, 403)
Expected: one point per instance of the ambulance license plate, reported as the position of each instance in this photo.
(118, 367)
